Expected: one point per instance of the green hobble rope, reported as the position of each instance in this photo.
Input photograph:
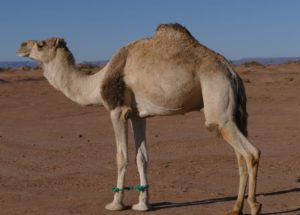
(140, 188)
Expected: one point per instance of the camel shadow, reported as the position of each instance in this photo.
(166, 205)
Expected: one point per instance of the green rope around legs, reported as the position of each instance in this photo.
(140, 188)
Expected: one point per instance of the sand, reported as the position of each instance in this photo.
(58, 158)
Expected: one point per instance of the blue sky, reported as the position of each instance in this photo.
(95, 29)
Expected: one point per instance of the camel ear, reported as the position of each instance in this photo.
(55, 42)
(60, 42)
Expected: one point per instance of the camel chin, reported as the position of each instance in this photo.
(23, 54)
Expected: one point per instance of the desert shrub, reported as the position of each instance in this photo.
(252, 63)
(293, 62)
(89, 68)
(36, 68)
(4, 69)
(26, 68)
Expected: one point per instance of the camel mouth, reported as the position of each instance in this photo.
(25, 48)
(22, 54)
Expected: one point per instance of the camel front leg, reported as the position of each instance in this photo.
(119, 122)
(139, 131)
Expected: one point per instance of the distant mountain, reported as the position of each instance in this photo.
(16, 64)
(266, 61)
(99, 62)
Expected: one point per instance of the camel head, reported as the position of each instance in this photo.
(43, 50)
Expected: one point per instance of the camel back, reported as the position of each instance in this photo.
(170, 41)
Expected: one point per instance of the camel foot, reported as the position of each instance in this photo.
(141, 206)
(255, 208)
(114, 206)
(234, 213)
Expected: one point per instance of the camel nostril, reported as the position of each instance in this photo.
(24, 44)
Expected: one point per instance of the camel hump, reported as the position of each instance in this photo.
(174, 30)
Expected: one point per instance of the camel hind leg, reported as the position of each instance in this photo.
(220, 106)
(243, 172)
(250, 155)
(248, 159)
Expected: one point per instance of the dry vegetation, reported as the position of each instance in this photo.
(251, 64)
(89, 68)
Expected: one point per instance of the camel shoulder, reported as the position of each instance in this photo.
(113, 86)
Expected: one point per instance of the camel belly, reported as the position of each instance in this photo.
(164, 89)
(150, 104)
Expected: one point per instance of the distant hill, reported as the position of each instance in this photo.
(99, 62)
(16, 64)
(264, 61)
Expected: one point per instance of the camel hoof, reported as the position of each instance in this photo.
(141, 206)
(114, 206)
(234, 213)
(255, 208)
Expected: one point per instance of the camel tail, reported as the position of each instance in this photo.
(241, 115)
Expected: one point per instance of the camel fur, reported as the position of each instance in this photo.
(167, 74)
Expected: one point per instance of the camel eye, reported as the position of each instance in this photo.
(40, 45)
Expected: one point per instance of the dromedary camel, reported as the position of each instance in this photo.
(167, 74)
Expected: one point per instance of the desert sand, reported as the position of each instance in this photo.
(58, 158)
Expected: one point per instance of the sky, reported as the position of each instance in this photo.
(95, 29)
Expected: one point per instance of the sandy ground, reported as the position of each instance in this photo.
(58, 158)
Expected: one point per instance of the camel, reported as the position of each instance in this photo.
(167, 74)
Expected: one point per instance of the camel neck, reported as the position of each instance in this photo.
(80, 88)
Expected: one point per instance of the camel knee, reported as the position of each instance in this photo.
(214, 127)
(256, 155)
(223, 127)
(243, 168)
(125, 113)
(122, 161)
(121, 113)
(141, 160)
(253, 157)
